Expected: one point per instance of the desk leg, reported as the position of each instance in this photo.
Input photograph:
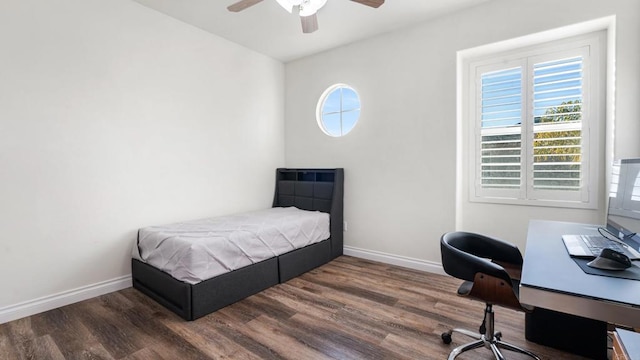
(574, 334)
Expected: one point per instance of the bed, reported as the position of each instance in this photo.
(312, 190)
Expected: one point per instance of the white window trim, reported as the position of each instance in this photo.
(320, 107)
(599, 164)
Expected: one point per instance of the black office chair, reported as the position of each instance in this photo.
(491, 269)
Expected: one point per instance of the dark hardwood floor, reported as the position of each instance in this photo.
(347, 309)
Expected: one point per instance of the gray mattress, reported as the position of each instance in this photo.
(198, 250)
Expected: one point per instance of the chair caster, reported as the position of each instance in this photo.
(446, 337)
(498, 335)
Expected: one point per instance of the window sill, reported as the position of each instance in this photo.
(538, 203)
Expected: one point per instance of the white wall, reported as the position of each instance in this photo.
(114, 117)
(399, 161)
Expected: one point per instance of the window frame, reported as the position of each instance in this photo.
(593, 122)
(320, 107)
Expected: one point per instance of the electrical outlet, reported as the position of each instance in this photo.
(345, 226)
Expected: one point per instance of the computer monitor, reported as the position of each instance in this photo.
(623, 215)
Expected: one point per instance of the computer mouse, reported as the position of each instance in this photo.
(610, 260)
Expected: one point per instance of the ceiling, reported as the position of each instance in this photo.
(269, 29)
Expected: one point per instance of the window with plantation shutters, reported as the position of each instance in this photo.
(535, 117)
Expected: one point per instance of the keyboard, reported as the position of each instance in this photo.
(597, 243)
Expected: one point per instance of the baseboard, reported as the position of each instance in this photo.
(411, 263)
(32, 307)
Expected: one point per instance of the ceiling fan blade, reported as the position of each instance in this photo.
(372, 3)
(242, 4)
(309, 23)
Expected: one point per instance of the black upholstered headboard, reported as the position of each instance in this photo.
(314, 189)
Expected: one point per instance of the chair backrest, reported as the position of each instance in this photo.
(464, 255)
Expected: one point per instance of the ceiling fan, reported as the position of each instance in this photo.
(306, 9)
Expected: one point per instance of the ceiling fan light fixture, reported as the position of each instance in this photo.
(310, 7)
(307, 9)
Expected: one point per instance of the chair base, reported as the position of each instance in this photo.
(490, 340)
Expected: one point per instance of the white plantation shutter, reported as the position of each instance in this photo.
(532, 118)
(501, 123)
(557, 124)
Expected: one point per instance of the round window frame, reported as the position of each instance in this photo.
(321, 103)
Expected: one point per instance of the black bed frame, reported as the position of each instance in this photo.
(307, 189)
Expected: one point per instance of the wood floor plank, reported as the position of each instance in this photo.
(348, 309)
(336, 341)
(111, 328)
(226, 326)
(304, 301)
(280, 337)
(269, 306)
(21, 336)
(203, 334)
(145, 354)
(40, 348)
(7, 350)
(165, 341)
(72, 338)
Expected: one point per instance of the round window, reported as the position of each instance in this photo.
(338, 110)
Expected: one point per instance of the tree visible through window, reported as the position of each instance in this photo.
(559, 151)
